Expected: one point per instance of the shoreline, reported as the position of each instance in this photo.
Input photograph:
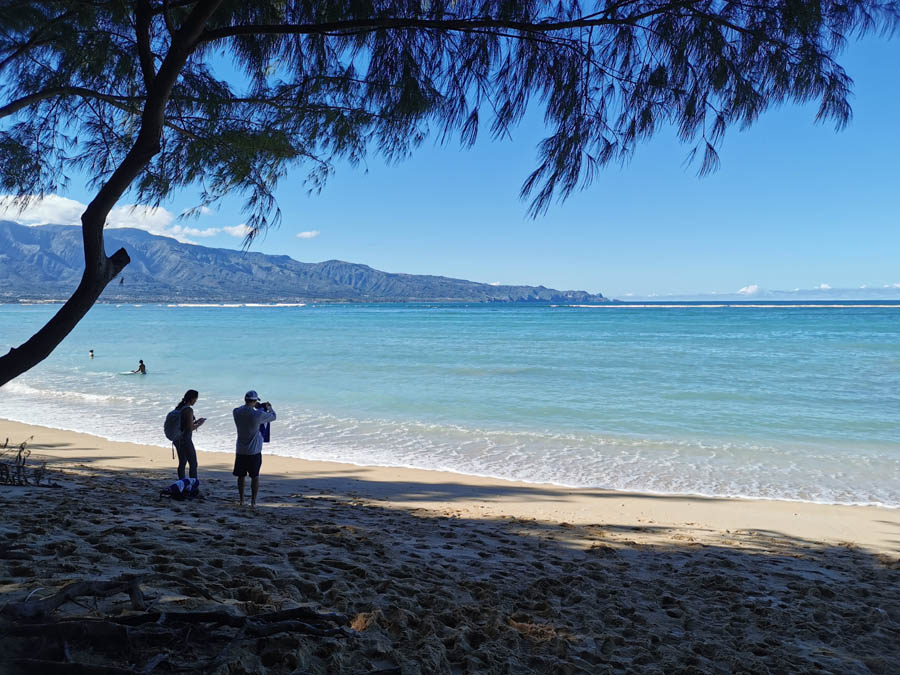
(679, 516)
(489, 477)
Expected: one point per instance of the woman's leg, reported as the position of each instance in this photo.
(191, 457)
(182, 459)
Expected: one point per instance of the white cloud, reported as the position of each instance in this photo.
(309, 234)
(51, 210)
(823, 287)
(237, 230)
(494, 283)
(752, 289)
(55, 210)
(892, 285)
(205, 210)
(154, 220)
(195, 232)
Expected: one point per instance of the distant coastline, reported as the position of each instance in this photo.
(612, 303)
(45, 263)
(217, 302)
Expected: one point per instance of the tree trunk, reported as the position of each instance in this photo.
(100, 269)
(41, 344)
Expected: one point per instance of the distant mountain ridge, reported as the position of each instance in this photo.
(46, 262)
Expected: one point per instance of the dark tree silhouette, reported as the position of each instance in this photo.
(127, 91)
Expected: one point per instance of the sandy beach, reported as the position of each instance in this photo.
(347, 569)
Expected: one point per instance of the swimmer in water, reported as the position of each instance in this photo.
(142, 369)
(91, 353)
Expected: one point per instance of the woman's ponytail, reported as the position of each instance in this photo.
(190, 393)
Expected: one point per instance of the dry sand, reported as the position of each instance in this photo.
(435, 573)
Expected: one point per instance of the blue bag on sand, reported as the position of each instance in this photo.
(193, 489)
(175, 490)
(181, 489)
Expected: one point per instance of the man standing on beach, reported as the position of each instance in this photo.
(248, 458)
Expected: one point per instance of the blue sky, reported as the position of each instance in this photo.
(794, 205)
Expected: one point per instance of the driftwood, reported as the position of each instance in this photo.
(135, 636)
(34, 610)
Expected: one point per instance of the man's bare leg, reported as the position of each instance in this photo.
(254, 488)
(241, 489)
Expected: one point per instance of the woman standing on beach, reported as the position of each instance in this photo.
(184, 446)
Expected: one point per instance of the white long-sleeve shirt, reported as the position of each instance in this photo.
(247, 420)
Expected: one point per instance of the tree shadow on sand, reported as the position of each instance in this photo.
(430, 594)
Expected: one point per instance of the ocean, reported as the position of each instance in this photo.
(775, 401)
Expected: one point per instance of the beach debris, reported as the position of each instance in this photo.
(220, 629)
(12, 466)
(32, 610)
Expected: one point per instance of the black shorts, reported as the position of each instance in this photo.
(244, 464)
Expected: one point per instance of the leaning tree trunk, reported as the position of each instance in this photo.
(100, 269)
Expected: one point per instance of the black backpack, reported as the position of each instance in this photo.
(172, 427)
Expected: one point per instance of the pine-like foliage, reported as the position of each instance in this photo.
(315, 81)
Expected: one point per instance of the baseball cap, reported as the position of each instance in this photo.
(251, 396)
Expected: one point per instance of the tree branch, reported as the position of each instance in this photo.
(53, 92)
(167, 20)
(142, 19)
(338, 27)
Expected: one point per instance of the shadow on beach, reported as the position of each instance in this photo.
(431, 593)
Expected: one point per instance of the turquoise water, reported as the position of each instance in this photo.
(775, 402)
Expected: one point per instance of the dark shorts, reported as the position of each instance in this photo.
(244, 464)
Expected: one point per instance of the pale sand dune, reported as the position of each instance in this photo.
(442, 573)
